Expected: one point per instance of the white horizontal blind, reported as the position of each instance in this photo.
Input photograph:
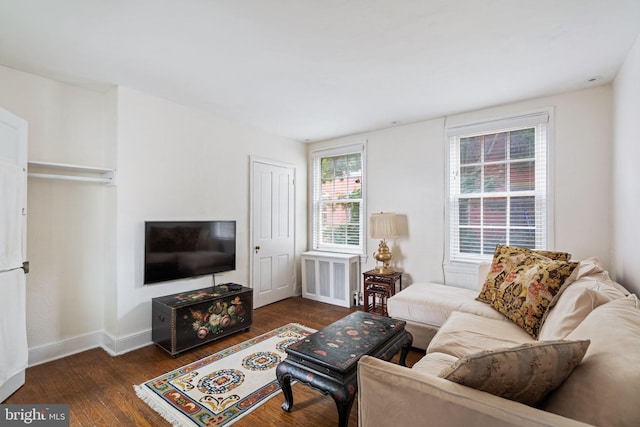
(338, 207)
(497, 186)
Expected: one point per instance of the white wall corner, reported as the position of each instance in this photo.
(118, 346)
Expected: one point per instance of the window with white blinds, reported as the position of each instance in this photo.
(338, 204)
(498, 183)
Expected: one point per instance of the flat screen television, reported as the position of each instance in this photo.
(181, 249)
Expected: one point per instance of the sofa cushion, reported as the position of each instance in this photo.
(604, 389)
(588, 267)
(465, 333)
(434, 363)
(575, 304)
(530, 289)
(526, 373)
(505, 258)
(432, 303)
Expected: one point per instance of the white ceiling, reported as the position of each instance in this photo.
(316, 69)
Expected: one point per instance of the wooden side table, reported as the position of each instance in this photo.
(378, 288)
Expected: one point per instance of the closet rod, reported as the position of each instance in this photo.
(105, 176)
(69, 177)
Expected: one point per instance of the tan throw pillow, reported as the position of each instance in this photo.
(575, 303)
(529, 290)
(505, 258)
(526, 373)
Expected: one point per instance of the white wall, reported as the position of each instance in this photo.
(404, 177)
(405, 168)
(179, 163)
(626, 172)
(581, 156)
(85, 241)
(66, 220)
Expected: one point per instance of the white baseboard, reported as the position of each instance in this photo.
(116, 347)
(57, 350)
(48, 352)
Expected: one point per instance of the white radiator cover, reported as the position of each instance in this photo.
(330, 277)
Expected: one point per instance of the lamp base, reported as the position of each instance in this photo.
(383, 270)
(384, 256)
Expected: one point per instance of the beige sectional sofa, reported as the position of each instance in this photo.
(466, 339)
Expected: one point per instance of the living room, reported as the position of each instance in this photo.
(173, 161)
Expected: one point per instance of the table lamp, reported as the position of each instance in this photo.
(383, 226)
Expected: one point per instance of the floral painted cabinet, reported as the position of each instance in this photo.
(188, 319)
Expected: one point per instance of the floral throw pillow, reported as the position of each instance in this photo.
(504, 260)
(531, 288)
(526, 373)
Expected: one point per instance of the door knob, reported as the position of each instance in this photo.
(257, 249)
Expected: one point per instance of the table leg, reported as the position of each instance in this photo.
(344, 402)
(284, 379)
(405, 349)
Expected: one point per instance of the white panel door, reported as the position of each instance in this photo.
(273, 243)
(13, 317)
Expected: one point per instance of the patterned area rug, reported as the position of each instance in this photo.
(222, 388)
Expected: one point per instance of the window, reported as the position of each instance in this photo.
(498, 186)
(338, 207)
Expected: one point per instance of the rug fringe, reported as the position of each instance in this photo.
(157, 406)
(300, 325)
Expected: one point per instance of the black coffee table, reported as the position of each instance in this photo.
(328, 359)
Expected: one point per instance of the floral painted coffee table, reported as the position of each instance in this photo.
(328, 359)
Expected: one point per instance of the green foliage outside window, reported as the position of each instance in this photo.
(336, 170)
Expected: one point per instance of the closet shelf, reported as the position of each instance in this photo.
(48, 170)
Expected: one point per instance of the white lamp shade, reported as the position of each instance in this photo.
(383, 226)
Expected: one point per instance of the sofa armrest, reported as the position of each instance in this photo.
(389, 394)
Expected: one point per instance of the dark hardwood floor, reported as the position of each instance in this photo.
(99, 388)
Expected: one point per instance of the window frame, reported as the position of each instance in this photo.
(539, 118)
(315, 174)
